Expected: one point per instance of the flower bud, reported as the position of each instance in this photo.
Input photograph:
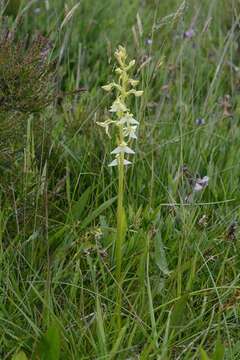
(133, 82)
(107, 87)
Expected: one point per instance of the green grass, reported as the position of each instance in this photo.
(180, 274)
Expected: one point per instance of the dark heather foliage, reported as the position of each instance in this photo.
(11, 7)
(27, 78)
(27, 87)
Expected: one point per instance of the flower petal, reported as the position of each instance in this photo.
(201, 183)
(107, 87)
(122, 149)
(128, 119)
(126, 162)
(105, 125)
(118, 106)
(133, 82)
(130, 131)
(115, 162)
(136, 92)
(197, 187)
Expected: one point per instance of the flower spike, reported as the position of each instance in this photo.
(124, 120)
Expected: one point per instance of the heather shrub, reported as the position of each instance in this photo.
(27, 88)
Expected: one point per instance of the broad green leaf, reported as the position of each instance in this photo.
(79, 207)
(120, 338)
(179, 311)
(97, 212)
(20, 356)
(160, 256)
(49, 348)
(235, 351)
(219, 350)
(204, 355)
(13, 7)
(100, 329)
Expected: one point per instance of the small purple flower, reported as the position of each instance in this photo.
(200, 121)
(189, 34)
(149, 41)
(201, 184)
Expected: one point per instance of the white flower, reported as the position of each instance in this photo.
(115, 162)
(119, 71)
(127, 119)
(107, 87)
(133, 82)
(110, 86)
(118, 106)
(200, 184)
(123, 149)
(130, 65)
(106, 125)
(130, 131)
(136, 92)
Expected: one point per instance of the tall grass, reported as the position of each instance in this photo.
(180, 289)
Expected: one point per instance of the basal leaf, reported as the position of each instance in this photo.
(20, 356)
(97, 212)
(49, 348)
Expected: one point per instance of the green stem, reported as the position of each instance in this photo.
(120, 215)
(120, 236)
(120, 219)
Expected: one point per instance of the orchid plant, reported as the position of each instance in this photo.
(125, 123)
